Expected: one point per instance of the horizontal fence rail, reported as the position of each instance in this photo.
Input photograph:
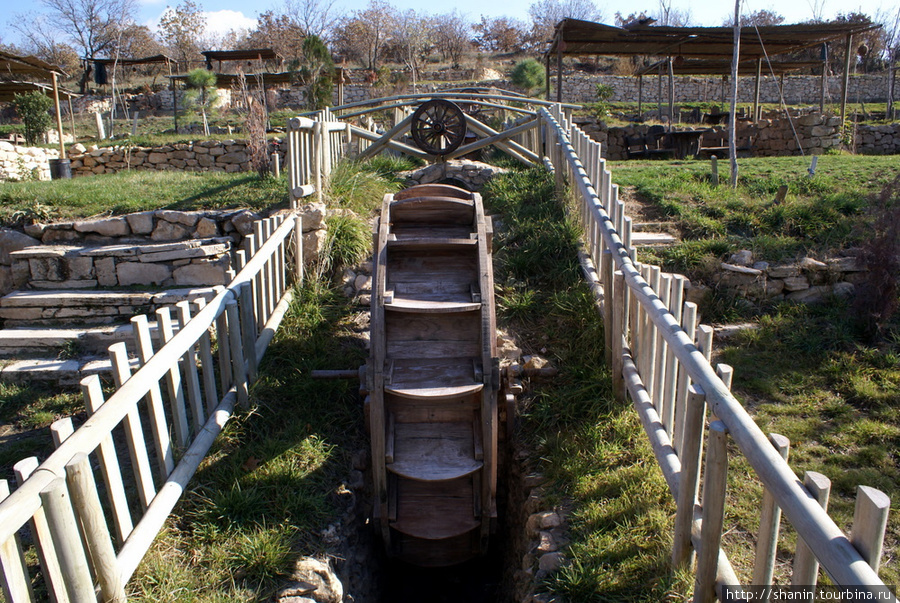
(181, 397)
(660, 358)
(314, 147)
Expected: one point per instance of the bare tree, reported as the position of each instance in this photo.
(502, 34)
(92, 27)
(181, 29)
(545, 14)
(670, 16)
(364, 35)
(452, 34)
(817, 7)
(41, 39)
(313, 17)
(411, 39)
(278, 32)
(759, 18)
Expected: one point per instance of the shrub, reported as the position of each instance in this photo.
(201, 92)
(32, 108)
(315, 72)
(528, 74)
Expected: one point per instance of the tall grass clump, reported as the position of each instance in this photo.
(360, 186)
(589, 446)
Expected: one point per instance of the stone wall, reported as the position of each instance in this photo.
(204, 156)
(766, 138)
(877, 140)
(25, 163)
(163, 247)
(806, 280)
(798, 89)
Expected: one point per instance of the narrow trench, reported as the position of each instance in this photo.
(370, 576)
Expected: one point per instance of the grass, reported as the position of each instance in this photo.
(131, 191)
(820, 215)
(589, 446)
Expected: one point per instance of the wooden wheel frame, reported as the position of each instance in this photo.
(438, 126)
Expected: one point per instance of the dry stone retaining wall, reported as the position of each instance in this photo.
(25, 163)
(160, 248)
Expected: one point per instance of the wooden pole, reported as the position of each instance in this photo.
(62, 146)
(846, 81)
(547, 76)
(83, 489)
(559, 67)
(769, 524)
(689, 480)
(640, 95)
(671, 92)
(824, 83)
(732, 113)
(869, 524)
(15, 579)
(714, 489)
(756, 91)
(67, 541)
(806, 566)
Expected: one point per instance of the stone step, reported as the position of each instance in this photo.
(51, 370)
(652, 239)
(89, 306)
(22, 341)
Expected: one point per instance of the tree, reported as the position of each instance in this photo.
(278, 32)
(363, 35)
(528, 74)
(868, 45)
(92, 27)
(201, 92)
(452, 35)
(502, 34)
(181, 29)
(315, 72)
(545, 14)
(32, 108)
(759, 18)
(670, 16)
(312, 17)
(411, 41)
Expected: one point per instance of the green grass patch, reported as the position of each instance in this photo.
(820, 214)
(132, 191)
(591, 447)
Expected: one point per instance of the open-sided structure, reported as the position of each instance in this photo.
(14, 67)
(679, 45)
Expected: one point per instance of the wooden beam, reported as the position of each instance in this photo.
(379, 144)
(485, 129)
(756, 90)
(62, 146)
(485, 142)
(847, 50)
(393, 144)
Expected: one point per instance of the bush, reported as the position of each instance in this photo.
(32, 108)
(528, 74)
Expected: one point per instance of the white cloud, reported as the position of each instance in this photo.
(222, 21)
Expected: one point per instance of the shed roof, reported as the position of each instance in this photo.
(12, 65)
(262, 54)
(8, 90)
(157, 58)
(576, 37)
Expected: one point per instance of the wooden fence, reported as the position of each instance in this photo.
(314, 147)
(182, 396)
(660, 357)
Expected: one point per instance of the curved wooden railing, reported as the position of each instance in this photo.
(660, 356)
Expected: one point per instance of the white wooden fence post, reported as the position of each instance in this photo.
(689, 478)
(869, 524)
(63, 529)
(714, 487)
(806, 566)
(90, 513)
(769, 523)
(155, 408)
(15, 579)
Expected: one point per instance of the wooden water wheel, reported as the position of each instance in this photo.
(433, 376)
(438, 126)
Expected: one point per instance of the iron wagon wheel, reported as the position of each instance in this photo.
(438, 127)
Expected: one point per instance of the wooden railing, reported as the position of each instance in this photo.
(661, 358)
(314, 147)
(182, 395)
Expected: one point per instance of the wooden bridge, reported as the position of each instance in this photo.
(189, 387)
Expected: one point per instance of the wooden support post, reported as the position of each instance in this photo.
(869, 524)
(806, 566)
(59, 129)
(224, 352)
(238, 368)
(43, 542)
(714, 488)
(756, 86)
(248, 331)
(618, 334)
(109, 462)
(676, 297)
(63, 528)
(173, 382)
(689, 478)
(155, 409)
(15, 579)
(134, 433)
(689, 324)
(87, 506)
(848, 53)
(714, 170)
(206, 363)
(189, 368)
(769, 524)
(664, 291)
(606, 275)
(640, 96)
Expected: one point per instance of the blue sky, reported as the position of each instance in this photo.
(223, 15)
